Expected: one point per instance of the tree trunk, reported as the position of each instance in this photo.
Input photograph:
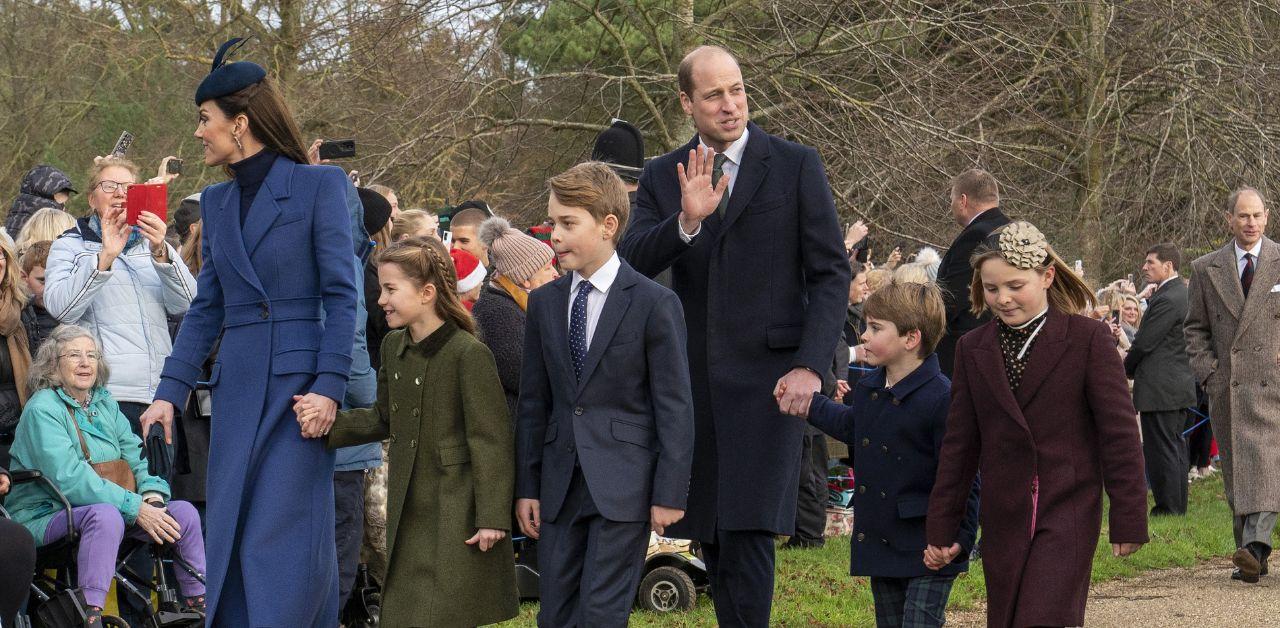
(1091, 171)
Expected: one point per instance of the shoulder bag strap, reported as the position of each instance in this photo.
(84, 447)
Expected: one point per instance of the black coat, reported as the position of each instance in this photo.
(376, 328)
(36, 193)
(501, 324)
(1157, 361)
(764, 291)
(954, 277)
(894, 437)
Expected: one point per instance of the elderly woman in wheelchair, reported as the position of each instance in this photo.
(72, 431)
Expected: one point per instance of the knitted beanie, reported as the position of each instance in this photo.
(511, 253)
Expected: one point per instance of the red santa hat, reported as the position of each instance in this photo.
(470, 271)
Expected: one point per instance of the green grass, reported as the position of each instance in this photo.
(813, 587)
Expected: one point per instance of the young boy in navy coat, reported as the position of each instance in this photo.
(894, 430)
(604, 427)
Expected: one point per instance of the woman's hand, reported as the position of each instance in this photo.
(936, 558)
(162, 174)
(157, 523)
(486, 538)
(154, 229)
(315, 414)
(854, 234)
(5, 485)
(115, 234)
(161, 412)
(1124, 549)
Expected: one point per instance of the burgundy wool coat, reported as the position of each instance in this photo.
(1045, 455)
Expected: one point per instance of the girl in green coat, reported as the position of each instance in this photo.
(451, 454)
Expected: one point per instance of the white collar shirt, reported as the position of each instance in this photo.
(1240, 261)
(601, 281)
(733, 161)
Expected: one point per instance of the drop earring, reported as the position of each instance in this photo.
(238, 144)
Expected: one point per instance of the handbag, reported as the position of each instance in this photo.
(114, 471)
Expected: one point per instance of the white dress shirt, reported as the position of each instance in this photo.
(601, 281)
(1240, 261)
(733, 160)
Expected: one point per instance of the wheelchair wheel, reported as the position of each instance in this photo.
(112, 621)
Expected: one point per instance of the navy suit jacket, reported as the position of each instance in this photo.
(764, 290)
(954, 277)
(628, 422)
(895, 437)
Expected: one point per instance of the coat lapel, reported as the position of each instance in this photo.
(615, 306)
(1225, 278)
(751, 173)
(1048, 349)
(231, 241)
(1267, 274)
(265, 209)
(991, 365)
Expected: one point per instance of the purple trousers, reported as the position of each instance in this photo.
(102, 528)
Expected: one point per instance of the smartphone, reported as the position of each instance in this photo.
(146, 197)
(1129, 277)
(337, 149)
(447, 239)
(1079, 267)
(174, 166)
(123, 144)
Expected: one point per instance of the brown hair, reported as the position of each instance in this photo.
(594, 187)
(36, 254)
(425, 261)
(469, 217)
(911, 306)
(191, 251)
(1068, 292)
(977, 184)
(270, 119)
(684, 73)
(1167, 252)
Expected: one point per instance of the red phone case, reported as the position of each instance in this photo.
(147, 197)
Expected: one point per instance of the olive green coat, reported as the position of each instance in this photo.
(451, 459)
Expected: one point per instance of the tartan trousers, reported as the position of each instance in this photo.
(919, 602)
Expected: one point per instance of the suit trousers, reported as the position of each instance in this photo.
(589, 567)
(1167, 460)
(1254, 527)
(740, 567)
(811, 504)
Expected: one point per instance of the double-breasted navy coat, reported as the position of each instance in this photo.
(270, 521)
(764, 290)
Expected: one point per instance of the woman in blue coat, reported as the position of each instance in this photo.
(277, 255)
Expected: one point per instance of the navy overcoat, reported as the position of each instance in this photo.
(764, 290)
(270, 521)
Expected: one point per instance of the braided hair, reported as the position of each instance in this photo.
(425, 261)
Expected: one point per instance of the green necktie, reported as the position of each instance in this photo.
(717, 171)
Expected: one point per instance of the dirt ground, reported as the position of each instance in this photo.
(1197, 597)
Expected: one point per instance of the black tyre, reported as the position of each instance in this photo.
(111, 621)
(667, 590)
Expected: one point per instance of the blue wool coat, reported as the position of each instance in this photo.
(270, 521)
(894, 437)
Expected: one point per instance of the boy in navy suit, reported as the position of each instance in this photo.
(894, 430)
(604, 428)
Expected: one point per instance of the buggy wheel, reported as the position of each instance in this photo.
(667, 590)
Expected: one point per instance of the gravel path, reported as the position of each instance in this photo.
(1199, 597)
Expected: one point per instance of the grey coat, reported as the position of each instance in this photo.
(1234, 346)
(1157, 361)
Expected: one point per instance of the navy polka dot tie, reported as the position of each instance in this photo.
(578, 327)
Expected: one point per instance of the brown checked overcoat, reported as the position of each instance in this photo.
(1234, 345)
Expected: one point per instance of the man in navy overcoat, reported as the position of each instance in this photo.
(763, 279)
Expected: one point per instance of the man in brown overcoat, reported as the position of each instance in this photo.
(1235, 355)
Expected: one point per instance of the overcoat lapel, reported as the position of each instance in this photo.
(1045, 355)
(265, 210)
(991, 365)
(1225, 278)
(231, 240)
(615, 306)
(751, 173)
(1267, 275)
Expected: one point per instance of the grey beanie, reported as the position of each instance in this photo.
(512, 253)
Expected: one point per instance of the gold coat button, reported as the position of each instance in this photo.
(395, 407)
(417, 381)
(415, 412)
(396, 376)
(413, 443)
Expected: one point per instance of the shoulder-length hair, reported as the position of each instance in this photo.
(270, 119)
(44, 366)
(1068, 293)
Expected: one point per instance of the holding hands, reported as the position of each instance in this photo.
(315, 414)
(936, 558)
(794, 392)
(698, 199)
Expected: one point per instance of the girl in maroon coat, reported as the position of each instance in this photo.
(1040, 406)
